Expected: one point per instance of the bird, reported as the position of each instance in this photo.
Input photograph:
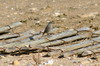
(48, 28)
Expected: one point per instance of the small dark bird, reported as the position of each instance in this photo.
(48, 28)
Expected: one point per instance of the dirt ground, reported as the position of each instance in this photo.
(35, 14)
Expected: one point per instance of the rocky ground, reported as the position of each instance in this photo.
(35, 14)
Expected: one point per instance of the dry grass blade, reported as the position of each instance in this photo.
(13, 25)
(37, 59)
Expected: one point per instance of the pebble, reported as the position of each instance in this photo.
(63, 18)
(92, 14)
(15, 13)
(21, 13)
(95, 4)
(80, 65)
(8, 15)
(6, 7)
(53, 1)
(85, 62)
(71, 29)
(33, 9)
(61, 65)
(49, 62)
(12, 8)
(40, 64)
(32, 3)
(37, 22)
(29, 65)
(76, 61)
(57, 14)
(16, 62)
(1, 57)
(69, 58)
